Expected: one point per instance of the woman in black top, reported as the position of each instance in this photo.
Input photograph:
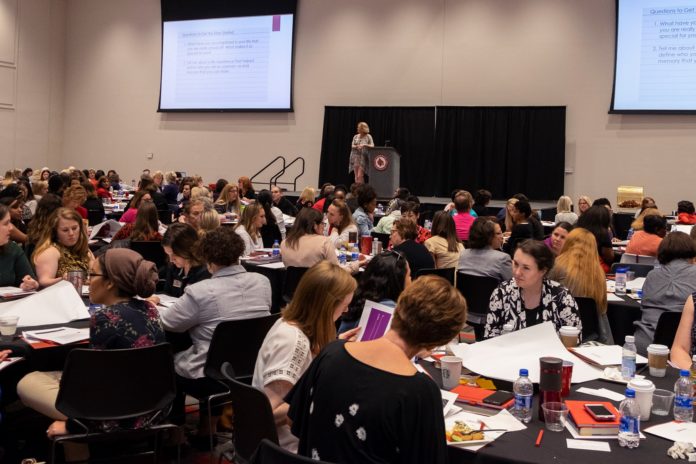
(185, 268)
(403, 239)
(524, 228)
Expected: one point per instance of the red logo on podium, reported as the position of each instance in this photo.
(380, 162)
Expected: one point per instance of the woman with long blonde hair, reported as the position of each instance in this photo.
(228, 201)
(307, 325)
(578, 269)
(637, 224)
(509, 222)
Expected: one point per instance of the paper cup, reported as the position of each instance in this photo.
(657, 360)
(569, 336)
(644, 395)
(451, 371)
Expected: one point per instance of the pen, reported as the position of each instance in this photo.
(47, 331)
(539, 437)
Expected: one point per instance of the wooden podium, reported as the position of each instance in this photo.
(384, 164)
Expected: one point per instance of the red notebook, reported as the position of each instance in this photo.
(476, 396)
(586, 424)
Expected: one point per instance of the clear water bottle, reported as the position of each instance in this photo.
(620, 281)
(523, 389)
(683, 395)
(354, 253)
(276, 248)
(507, 328)
(628, 358)
(428, 224)
(693, 378)
(342, 256)
(629, 425)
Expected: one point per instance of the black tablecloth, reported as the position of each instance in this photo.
(518, 447)
(621, 315)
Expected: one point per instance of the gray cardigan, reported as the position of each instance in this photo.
(486, 262)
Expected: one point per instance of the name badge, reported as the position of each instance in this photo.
(176, 284)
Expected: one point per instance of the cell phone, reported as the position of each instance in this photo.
(498, 398)
(599, 412)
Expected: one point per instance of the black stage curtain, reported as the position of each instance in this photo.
(506, 150)
(410, 130)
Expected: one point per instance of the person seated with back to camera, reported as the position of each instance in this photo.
(563, 212)
(463, 219)
(366, 402)
(686, 213)
(230, 294)
(444, 244)
(306, 244)
(530, 297)
(647, 241)
(483, 257)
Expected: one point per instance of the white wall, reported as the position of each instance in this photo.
(391, 52)
(31, 82)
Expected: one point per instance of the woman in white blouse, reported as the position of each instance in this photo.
(253, 218)
(341, 223)
(307, 325)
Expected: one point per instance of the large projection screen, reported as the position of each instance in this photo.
(655, 68)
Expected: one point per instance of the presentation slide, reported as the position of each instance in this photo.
(655, 56)
(227, 64)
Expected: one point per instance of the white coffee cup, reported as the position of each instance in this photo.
(451, 371)
(657, 360)
(644, 394)
(569, 336)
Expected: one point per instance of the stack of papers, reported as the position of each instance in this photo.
(675, 431)
(59, 335)
(8, 293)
(9, 362)
(57, 304)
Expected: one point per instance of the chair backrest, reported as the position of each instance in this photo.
(253, 416)
(116, 384)
(446, 273)
(666, 328)
(270, 453)
(95, 216)
(628, 258)
(237, 342)
(293, 275)
(384, 238)
(589, 318)
(477, 290)
(151, 251)
(641, 270)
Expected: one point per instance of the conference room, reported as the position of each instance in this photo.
(509, 97)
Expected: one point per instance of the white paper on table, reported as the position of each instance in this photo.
(448, 399)
(9, 292)
(375, 321)
(675, 431)
(635, 284)
(59, 335)
(113, 227)
(613, 297)
(606, 355)
(522, 349)
(276, 265)
(504, 420)
(57, 304)
(602, 393)
(166, 300)
(588, 445)
(9, 362)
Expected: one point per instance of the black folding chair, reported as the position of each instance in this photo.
(270, 453)
(116, 385)
(589, 318)
(666, 328)
(446, 273)
(151, 251)
(293, 275)
(641, 270)
(477, 290)
(253, 418)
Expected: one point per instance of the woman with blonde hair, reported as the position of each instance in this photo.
(637, 224)
(584, 203)
(249, 227)
(210, 220)
(578, 269)
(62, 247)
(307, 197)
(307, 325)
(228, 201)
(509, 221)
(563, 212)
(358, 153)
(73, 197)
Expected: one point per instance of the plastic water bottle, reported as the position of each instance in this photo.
(683, 395)
(693, 378)
(629, 425)
(507, 328)
(628, 358)
(428, 224)
(620, 281)
(342, 256)
(276, 248)
(354, 253)
(523, 389)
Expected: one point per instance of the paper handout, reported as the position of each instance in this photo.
(375, 321)
(605, 355)
(57, 304)
(106, 229)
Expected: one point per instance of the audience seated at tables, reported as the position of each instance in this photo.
(403, 240)
(340, 223)
(558, 236)
(228, 201)
(686, 213)
(147, 183)
(366, 402)
(246, 189)
(463, 218)
(144, 228)
(530, 297)
(646, 242)
(367, 202)
(577, 268)
(74, 197)
(597, 220)
(410, 209)
(444, 244)
(62, 247)
(306, 244)
(15, 270)
(116, 278)
(385, 223)
(18, 233)
(274, 229)
(483, 258)
(482, 198)
(249, 228)
(180, 243)
(385, 277)
(139, 198)
(684, 345)
(307, 325)
(666, 287)
(282, 203)
(230, 294)
(563, 211)
(306, 199)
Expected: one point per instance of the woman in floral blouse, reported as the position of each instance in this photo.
(530, 298)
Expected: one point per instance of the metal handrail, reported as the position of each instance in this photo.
(279, 157)
(274, 179)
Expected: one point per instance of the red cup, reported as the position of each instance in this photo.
(566, 377)
(366, 244)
